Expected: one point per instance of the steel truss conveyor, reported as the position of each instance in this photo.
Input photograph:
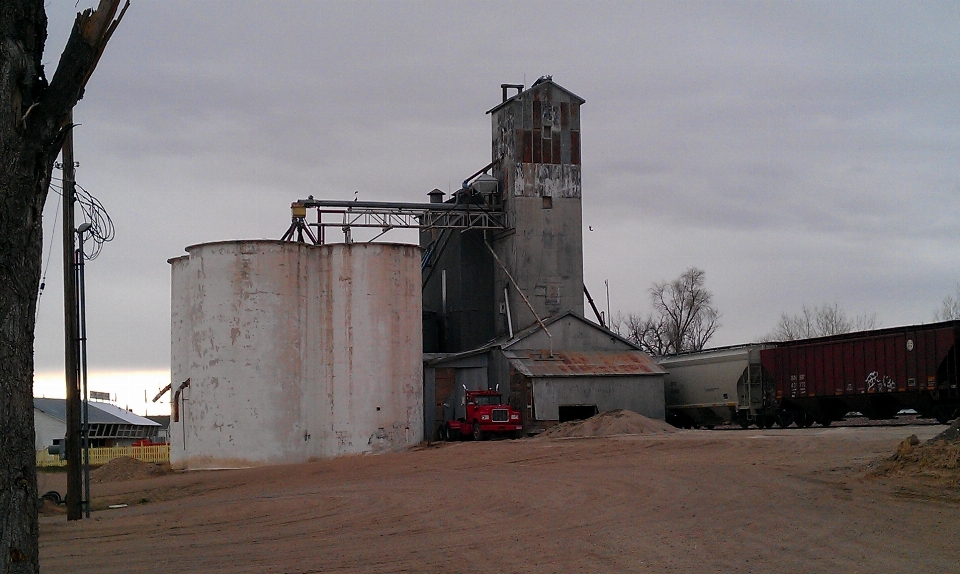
(345, 215)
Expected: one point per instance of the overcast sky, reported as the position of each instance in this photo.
(799, 152)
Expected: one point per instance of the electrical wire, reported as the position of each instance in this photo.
(101, 226)
(53, 235)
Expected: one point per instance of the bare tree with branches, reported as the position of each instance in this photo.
(684, 318)
(820, 321)
(949, 308)
(34, 120)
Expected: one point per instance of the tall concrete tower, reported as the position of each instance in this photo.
(536, 150)
(469, 298)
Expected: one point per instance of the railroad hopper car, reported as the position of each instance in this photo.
(717, 386)
(876, 373)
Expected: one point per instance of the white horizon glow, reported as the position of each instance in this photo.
(130, 389)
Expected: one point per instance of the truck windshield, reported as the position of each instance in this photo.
(487, 400)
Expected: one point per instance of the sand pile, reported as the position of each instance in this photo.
(610, 423)
(937, 460)
(952, 434)
(127, 468)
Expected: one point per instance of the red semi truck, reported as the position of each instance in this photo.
(485, 414)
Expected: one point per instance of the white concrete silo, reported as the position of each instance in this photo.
(294, 351)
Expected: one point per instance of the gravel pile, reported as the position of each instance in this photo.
(937, 460)
(126, 468)
(610, 423)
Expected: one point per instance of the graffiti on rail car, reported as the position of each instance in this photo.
(876, 383)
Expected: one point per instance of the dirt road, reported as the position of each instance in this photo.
(695, 501)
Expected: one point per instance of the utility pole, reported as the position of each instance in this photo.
(70, 335)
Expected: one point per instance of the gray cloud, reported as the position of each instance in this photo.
(799, 152)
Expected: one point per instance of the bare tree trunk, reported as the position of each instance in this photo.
(33, 122)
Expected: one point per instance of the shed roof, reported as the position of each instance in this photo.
(583, 364)
(505, 343)
(100, 413)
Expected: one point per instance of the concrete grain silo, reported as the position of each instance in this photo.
(283, 352)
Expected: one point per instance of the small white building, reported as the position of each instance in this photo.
(110, 425)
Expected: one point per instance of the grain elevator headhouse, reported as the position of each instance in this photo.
(483, 284)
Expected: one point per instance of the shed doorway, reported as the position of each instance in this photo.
(577, 412)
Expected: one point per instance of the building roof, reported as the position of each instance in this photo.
(583, 364)
(537, 85)
(506, 343)
(100, 413)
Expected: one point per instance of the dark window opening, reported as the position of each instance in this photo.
(577, 412)
(547, 202)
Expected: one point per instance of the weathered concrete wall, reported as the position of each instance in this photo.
(536, 137)
(179, 351)
(642, 395)
(294, 352)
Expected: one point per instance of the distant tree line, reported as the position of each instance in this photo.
(820, 321)
(949, 308)
(684, 318)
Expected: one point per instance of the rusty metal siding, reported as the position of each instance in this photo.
(581, 363)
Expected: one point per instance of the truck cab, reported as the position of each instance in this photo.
(484, 414)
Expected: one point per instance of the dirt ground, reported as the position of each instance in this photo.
(691, 501)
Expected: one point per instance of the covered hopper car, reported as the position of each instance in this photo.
(717, 386)
(876, 373)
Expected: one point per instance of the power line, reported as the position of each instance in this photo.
(101, 226)
(53, 235)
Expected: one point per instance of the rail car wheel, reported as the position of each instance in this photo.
(744, 423)
(800, 419)
(784, 419)
(768, 422)
(826, 422)
(477, 434)
(943, 414)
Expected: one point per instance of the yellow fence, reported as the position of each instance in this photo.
(101, 456)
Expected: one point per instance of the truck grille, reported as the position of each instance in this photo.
(500, 415)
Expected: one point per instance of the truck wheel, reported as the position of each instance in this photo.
(447, 435)
(477, 433)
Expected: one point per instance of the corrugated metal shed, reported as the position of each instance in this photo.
(538, 364)
(100, 413)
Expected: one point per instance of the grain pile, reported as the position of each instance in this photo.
(610, 423)
(127, 468)
(937, 460)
